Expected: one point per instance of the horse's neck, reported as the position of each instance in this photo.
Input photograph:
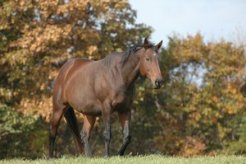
(130, 69)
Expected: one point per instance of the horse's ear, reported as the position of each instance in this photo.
(158, 46)
(146, 43)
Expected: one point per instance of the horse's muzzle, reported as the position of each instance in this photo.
(158, 83)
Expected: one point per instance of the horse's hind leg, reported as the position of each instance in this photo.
(54, 123)
(124, 120)
(72, 122)
(86, 131)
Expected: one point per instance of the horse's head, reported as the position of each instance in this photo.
(149, 63)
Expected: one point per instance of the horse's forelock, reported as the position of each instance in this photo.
(129, 52)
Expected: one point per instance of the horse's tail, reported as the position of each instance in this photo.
(72, 123)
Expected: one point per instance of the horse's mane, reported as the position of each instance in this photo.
(133, 49)
(125, 55)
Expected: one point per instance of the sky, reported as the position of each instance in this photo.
(214, 19)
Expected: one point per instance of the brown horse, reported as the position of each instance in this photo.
(101, 87)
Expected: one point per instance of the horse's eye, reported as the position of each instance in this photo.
(147, 59)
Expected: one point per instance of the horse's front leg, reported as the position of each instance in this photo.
(86, 132)
(124, 120)
(107, 123)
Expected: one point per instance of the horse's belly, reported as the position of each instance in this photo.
(91, 108)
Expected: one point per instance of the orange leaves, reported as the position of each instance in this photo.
(190, 49)
(192, 146)
(91, 50)
(47, 7)
(73, 6)
(233, 100)
(215, 99)
(15, 57)
(225, 60)
(23, 5)
(42, 107)
(39, 39)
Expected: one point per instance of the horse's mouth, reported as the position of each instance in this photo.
(157, 87)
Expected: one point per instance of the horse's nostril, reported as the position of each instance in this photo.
(158, 83)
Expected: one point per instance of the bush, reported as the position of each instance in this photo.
(21, 135)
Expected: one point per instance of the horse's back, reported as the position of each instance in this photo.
(70, 66)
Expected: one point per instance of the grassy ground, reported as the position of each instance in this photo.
(138, 160)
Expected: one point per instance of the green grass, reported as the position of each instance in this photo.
(138, 160)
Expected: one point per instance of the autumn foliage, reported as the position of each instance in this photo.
(200, 109)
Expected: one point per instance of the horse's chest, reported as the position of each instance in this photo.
(118, 99)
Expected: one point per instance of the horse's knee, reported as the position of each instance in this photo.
(52, 131)
(107, 135)
(84, 136)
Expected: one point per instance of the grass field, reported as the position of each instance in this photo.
(138, 160)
